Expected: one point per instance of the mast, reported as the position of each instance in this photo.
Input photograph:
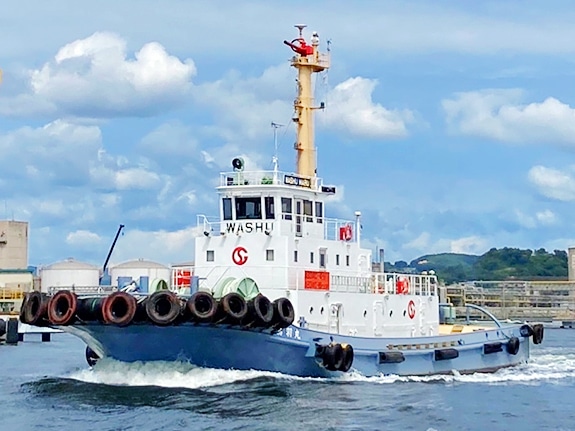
(307, 61)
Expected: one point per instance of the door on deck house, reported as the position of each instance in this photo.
(298, 216)
(335, 314)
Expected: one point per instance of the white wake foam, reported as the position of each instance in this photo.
(165, 374)
(550, 365)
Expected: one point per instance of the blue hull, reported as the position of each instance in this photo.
(293, 350)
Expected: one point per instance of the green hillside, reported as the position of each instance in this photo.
(496, 264)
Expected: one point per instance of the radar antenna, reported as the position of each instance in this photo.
(300, 27)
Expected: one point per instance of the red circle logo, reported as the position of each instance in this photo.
(411, 309)
(240, 255)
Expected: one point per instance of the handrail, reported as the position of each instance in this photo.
(483, 310)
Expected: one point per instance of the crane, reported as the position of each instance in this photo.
(112, 249)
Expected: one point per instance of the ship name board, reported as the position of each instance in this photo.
(249, 227)
(292, 180)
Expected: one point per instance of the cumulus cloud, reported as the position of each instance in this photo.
(553, 183)
(424, 244)
(469, 245)
(124, 179)
(245, 106)
(351, 109)
(546, 217)
(168, 140)
(83, 238)
(94, 77)
(58, 153)
(160, 246)
(500, 115)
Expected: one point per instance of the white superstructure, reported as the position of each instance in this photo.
(272, 227)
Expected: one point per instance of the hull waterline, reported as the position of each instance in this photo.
(293, 350)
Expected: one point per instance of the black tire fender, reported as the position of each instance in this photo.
(202, 307)
(163, 307)
(513, 346)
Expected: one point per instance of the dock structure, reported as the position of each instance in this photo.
(12, 331)
(517, 299)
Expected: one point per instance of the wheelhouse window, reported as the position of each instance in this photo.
(210, 255)
(311, 257)
(319, 212)
(337, 259)
(295, 255)
(307, 210)
(286, 208)
(227, 208)
(248, 208)
(269, 207)
(347, 260)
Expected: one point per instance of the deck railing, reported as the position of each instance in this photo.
(277, 178)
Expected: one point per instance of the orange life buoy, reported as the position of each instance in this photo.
(402, 285)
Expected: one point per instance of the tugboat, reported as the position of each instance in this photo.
(280, 287)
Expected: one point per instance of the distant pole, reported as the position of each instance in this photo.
(275, 159)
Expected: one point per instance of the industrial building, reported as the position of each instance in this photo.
(15, 276)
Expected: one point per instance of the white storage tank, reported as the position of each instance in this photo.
(69, 273)
(141, 272)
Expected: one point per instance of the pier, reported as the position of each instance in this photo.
(12, 331)
(547, 301)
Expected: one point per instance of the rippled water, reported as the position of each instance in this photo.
(48, 386)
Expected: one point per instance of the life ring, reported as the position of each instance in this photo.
(402, 285)
(513, 346)
(119, 308)
(202, 307)
(346, 233)
(62, 307)
(284, 313)
(163, 307)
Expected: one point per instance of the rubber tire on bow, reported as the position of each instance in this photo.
(284, 313)
(34, 308)
(260, 312)
(163, 307)
(62, 307)
(119, 308)
(202, 307)
(233, 308)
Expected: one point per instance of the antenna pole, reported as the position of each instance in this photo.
(275, 159)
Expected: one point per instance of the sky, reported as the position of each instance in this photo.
(449, 126)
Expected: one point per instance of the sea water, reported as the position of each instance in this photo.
(48, 386)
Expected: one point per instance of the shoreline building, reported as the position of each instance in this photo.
(16, 277)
